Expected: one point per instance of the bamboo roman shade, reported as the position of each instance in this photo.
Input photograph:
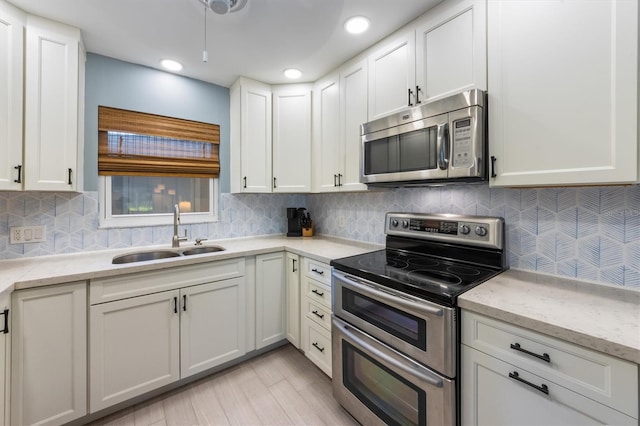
(138, 144)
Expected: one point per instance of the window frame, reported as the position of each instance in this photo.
(107, 220)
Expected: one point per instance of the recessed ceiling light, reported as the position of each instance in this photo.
(292, 73)
(171, 65)
(356, 25)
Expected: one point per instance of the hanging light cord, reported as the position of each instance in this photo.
(205, 55)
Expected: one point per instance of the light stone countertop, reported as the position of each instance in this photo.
(600, 317)
(55, 269)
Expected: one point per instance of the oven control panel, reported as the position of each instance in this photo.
(461, 229)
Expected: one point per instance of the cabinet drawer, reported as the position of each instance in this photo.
(317, 270)
(603, 378)
(130, 285)
(318, 313)
(318, 293)
(319, 349)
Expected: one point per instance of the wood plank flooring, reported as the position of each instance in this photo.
(281, 387)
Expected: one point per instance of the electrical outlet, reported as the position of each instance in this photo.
(27, 234)
(341, 221)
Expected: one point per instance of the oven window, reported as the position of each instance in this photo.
(411, 151)
(402, 325)
(391, 397)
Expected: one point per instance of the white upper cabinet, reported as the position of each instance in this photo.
(451, 52)
(12, 22)
(54, 76)
(563, 92)
(250, 136)
(326, 131)
(292, 138)
(392, 74)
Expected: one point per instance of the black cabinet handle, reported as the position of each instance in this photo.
(542, 388)
(19, 169)
(318, 347)
(274, 183)
(339, 179)
(317, 271)
(319, 293)
(5, 329)
(418, 95)
(321, 316)
(545, 356)
(175, 305)
(335, 177)
(493, 166)
(244, 182)
(294, 265)
(409, 97)
(69, 181)
(184, 302)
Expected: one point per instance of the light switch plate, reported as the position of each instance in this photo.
(27, 234)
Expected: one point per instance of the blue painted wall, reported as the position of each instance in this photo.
(119, 84)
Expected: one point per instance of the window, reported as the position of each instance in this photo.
(148, 163)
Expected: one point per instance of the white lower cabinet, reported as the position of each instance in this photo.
(141, 343)
(293, 299)
(513, 376)
(49, 354)
(315, 313)
(270, 299)
(5, 360)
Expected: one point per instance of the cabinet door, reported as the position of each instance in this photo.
(134, 347)
(563, 99)
(270, 299)
(51, 106)
(451, 49)
(292, 139)
(11, 84)
(5, 360)
(255, 140)
(212, 325)
(353, 113)
(49, 355)
(326, 134)
(392, 75)
(489, 396)
(293, 299)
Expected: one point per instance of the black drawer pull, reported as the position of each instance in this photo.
(319, 293)
(320, 348)
(321, 316)
(542, 388)
(545, 356)
(5, 329)
(317, 271)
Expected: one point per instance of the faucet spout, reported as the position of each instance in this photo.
(175, 241)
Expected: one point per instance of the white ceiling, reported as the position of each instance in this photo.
(259, 41)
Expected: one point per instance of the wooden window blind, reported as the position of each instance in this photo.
(138, 144)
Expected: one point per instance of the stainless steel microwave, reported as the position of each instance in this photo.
(442, 141)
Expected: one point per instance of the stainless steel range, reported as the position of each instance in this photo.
(395, 335)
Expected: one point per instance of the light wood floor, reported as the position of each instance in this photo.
(281, 387)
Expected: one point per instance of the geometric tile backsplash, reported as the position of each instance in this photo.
(592, 233)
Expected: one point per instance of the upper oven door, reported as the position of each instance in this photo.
(422, 330)
(413, 151)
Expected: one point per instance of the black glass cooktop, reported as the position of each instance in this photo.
(427, 277)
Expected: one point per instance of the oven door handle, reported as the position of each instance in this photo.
(390, 298)
(411, 370)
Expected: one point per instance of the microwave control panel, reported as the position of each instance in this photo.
(462, 152)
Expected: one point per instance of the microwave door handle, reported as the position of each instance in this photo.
(442, 146)
(344, 329)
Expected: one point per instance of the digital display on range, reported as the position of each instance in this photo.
(435, 226)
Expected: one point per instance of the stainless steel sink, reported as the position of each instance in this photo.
(144, 256)
(202, 249)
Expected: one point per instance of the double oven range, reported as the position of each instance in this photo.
(395, 330)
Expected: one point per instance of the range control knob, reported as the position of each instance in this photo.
(394, 222)
(481, 231)
(464, 230)
(405, 223)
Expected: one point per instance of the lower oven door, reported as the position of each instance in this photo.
(378, 385)
(422, 330)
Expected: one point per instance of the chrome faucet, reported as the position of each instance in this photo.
(175, 242)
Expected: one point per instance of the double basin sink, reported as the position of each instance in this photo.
(143, 256)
